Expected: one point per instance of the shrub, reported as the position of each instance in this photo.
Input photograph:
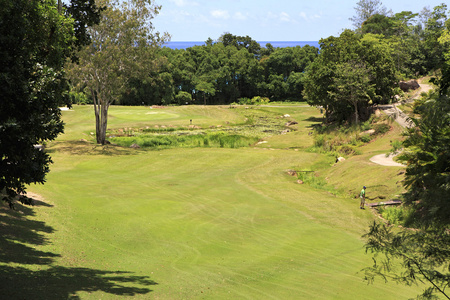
(396, 215)
(365, 138)
(244, 101)
(183, 98)
(396, 146)
(79, 98)
(258, 100)
(381, 128)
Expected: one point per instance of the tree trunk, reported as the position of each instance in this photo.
(356, 112)
(104, 122)
(101, 117)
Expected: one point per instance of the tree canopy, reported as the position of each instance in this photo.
(351, 73)
(422, 255)
(222, 73)
(121, 49)
(365, 9)
(35, 40)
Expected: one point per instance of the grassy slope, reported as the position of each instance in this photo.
(200, 223)
(352, 174)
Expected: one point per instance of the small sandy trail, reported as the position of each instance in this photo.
(402, 119)
(388, 161)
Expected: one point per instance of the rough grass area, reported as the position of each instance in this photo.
(215, 139)
(345, 140)
(257, 124)
(396, 215)
(194, 223)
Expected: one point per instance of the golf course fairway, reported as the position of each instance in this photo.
(186, 223)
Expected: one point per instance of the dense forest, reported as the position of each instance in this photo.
(386, 48)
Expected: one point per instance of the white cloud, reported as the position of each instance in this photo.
(306, 17)
(280, 17)
(285, 17)
(240, 16)
(184, 3)
(220, 14)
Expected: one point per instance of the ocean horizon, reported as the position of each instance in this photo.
(275, 44)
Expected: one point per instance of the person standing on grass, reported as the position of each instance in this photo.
(362, 195)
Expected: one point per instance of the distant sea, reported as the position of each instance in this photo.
(277, 44)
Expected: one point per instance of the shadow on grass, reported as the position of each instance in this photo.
(87, 148)
(59, 282)
(316, 120)
(19, 237)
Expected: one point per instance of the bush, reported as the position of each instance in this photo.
(381, 128)
(396, 146)
(310, 178)
(396, 215)
(365, 138)
(183, 98)
(79, 98)
(244, 101)
(258, 100)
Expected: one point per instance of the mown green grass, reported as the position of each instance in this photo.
(201, 223)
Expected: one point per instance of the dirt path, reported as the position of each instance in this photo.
(388, 161)
(401, 118)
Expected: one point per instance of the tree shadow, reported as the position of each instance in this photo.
(17, 233)
(88, 148)
(19, 237)
(59, 282)
(316, 120)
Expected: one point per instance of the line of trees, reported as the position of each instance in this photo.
(222, 72)
(372, 59)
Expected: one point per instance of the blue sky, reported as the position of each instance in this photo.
(265, 20)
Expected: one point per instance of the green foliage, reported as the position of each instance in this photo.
(365, 9)
(212, 139)
(427, 156)
(396, 146)
(244, 101)
(123, 33)
(258, 100)
(396, 215)
(79, 98)
(365, 138)
(381, 128)
(351, 73)
(345, 140)
(423, 256)
(35, 41)
(310, 178)
(223, 72)
(183, 97)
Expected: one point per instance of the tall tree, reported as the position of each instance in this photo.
(240, 42)
(327, 84)
(434, 28)
(365, 9)
(35, 40)
(352, 84)
(121, 48)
